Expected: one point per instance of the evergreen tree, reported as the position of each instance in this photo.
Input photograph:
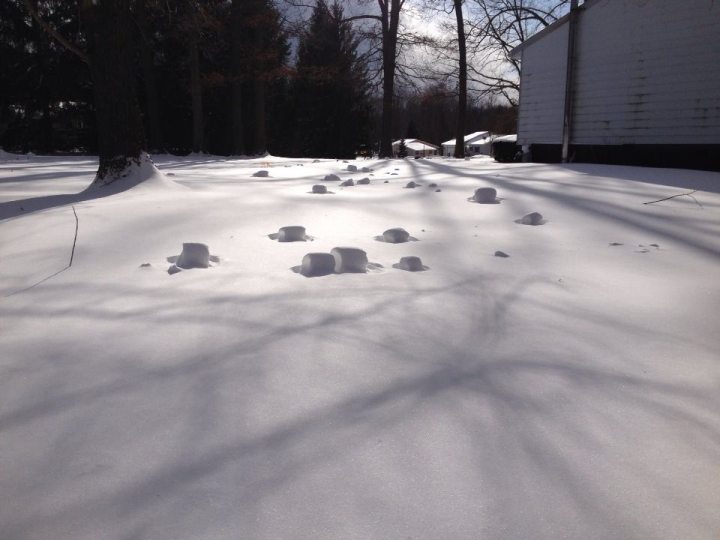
(331, 90)
(402, 149)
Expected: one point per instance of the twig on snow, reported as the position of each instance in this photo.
(77, 224)
(689, 193)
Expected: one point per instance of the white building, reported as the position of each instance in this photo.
(416, 148)
(475, 143)
(644, 84)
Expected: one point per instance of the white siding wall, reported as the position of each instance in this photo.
(647, 72)
(542, 89)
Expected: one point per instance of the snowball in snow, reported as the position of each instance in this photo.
(411, 184)
(348, 259)
(332, 178)
(319, 188)
(363, 181)
(261, 174)
(194, 255)
(485, 195)
(396, 236)
(534, 218)
(317, 264)
(291, 233)
(411, 264)
(352, 168)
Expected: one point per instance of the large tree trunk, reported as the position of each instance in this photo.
(259, 109)
(462, 83)
(155, 140)
(238, 134)
(196, 96)
(390, 19)
(119, 125)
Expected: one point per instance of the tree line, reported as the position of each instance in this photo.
(239, 77)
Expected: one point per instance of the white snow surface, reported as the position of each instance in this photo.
(569, 391)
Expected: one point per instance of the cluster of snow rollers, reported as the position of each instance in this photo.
(344, 260)
(341, 259)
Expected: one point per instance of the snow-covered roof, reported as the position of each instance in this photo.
(469, 139)
(507, 138)
(417, 144)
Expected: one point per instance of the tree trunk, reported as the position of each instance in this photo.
(259, 108)
(390, 20)
(155, 141)
(462, 83)
(196, 95)
(119, 125)
(238, 135)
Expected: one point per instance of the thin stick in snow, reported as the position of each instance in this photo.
(72, 255)
(77, 224)
(673, 196)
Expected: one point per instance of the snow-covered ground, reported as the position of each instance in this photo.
(570, 390)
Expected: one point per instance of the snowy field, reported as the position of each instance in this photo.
(570, 390)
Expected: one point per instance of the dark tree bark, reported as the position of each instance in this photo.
(259, 109)
(389, 21)
(155, 139)
(462, 82)
(260, 137)
(196, 94)
(238, 135)
(120, 133)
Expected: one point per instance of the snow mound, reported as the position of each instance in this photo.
(348, 182)
(363, 181)
(349, 260)
(331, 178)
(410, 264)
(141, 172)
(7, 156)
(397, 235)
(486, 195)
(317, 264)
(534, 218)
(351, 168)
(411, 185)
(291, 233)
(261, 174)
(319, 188)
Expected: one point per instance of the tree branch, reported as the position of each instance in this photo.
(57, 36)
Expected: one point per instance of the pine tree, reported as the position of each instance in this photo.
(332, 101)
(402, 149)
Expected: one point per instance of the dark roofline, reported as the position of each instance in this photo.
(548, 30)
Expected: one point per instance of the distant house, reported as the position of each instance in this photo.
(475, 143)
(641, 86)
(416, 148)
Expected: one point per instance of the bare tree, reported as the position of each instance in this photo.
(497, 27)
(462, 81)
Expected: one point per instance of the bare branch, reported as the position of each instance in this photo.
(52, 32)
